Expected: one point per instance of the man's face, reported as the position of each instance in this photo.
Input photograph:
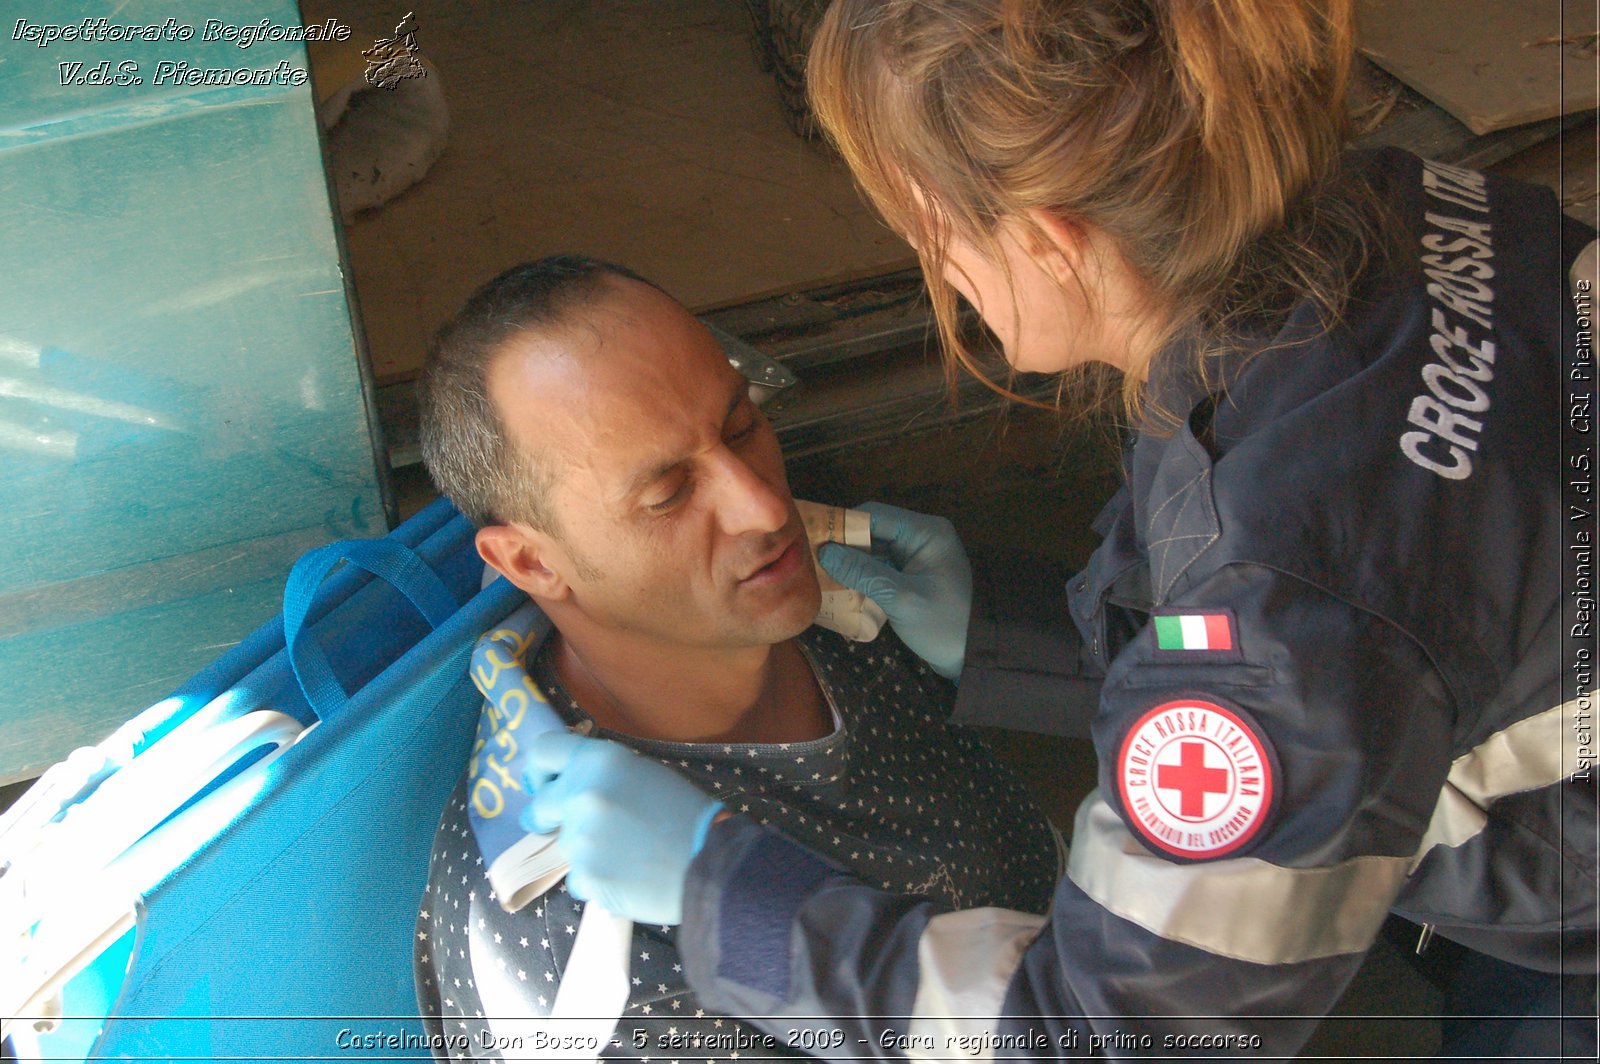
(672, 515)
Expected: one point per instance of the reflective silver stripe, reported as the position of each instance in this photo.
(1240, 907)
(965, 963)
(1532, 753)
(1264, 913)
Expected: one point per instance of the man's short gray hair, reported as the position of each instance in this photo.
(464, 442)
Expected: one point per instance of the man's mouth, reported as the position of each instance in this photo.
(776, 566)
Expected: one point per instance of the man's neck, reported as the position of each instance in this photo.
(764, 694)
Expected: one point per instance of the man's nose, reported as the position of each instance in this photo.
(746, 501)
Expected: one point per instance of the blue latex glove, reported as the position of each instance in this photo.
(629, 825)
(925, 587)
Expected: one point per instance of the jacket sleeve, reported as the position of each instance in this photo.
(1026, 668)
(1233, 946)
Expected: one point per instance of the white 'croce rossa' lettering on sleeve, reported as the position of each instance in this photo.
(1457, 264)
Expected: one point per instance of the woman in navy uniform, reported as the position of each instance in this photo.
(1323, 651)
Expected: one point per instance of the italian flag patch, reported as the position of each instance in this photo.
(1195, 634)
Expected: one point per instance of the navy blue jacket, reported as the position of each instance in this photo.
(1330, 653)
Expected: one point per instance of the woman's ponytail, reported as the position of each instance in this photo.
(1259, 75)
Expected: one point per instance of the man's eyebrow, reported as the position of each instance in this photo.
(645, 477)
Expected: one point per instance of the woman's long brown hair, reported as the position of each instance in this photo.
(1201, 136)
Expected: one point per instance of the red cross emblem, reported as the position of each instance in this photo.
(1192, 779)
(1195, 777)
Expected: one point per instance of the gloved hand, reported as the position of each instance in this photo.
(925, 588)
(629, 825)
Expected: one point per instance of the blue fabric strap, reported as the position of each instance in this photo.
(387, 559)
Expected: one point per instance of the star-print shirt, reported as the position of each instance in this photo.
(895, 793)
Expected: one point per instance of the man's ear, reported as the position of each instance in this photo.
(522, 555)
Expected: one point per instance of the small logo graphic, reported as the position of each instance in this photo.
(1194, 635)
(1196, 778)
(392, 60)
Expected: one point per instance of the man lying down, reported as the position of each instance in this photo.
(621, 476)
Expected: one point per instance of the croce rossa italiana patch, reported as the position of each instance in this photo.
(1197, 777)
